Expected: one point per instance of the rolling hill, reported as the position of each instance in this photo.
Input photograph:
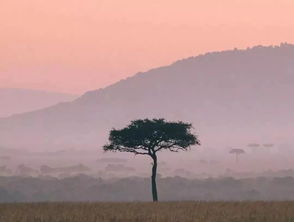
(231, 97)
(16, 101)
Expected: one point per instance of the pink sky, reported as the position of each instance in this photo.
(79, 45)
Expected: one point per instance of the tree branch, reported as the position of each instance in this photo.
(165, 146)
(139, 153)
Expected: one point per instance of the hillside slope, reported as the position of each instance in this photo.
(16, 101)
(231, 97)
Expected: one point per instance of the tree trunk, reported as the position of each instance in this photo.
(153, 179)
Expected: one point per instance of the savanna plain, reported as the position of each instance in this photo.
(161, 211)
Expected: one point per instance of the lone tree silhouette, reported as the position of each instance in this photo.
(237, 152)
(147, 137)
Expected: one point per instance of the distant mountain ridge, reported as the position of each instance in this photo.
(231, 97)
(16, 101)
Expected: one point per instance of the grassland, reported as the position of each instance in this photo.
(153, 212)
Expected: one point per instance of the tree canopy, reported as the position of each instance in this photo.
(147, 137)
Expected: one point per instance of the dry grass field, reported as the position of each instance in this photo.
(141, 212)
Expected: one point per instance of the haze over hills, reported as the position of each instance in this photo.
(231, 97)
(15, 101)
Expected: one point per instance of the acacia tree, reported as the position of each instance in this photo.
(148, 137)
(237, 152)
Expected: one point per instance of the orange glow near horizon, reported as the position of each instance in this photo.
(74, 46)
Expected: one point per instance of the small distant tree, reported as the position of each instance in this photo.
(253, 145)
(268, 145)
(148, 137)
(237, 152)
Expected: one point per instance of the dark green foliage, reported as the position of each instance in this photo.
(150, 136)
